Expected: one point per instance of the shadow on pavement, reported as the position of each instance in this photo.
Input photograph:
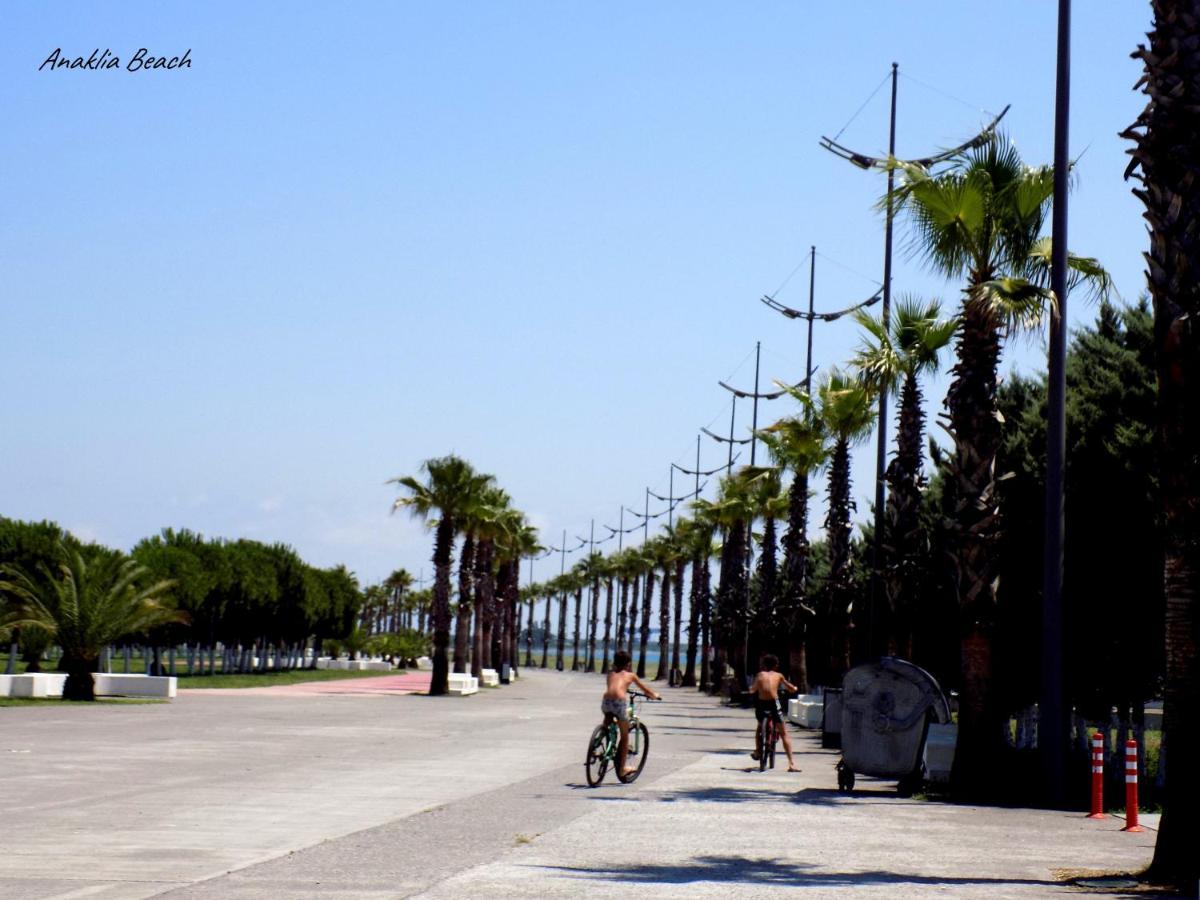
(772, 872)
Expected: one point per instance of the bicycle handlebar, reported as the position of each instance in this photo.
(643, 696)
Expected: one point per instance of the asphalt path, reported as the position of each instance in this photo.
(383, 796)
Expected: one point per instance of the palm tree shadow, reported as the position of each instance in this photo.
(741, 869)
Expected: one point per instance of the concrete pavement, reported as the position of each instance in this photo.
(360, 796)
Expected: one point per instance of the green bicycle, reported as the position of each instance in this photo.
(602, 747)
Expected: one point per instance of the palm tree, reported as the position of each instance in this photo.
(695, 535)
(593, 567)
(397, 585)
(579, 581)
(981, 218)
(769, 504)
(1163, 160)
(892, 358)
(732, 513)
(466, 581)
(87, 606)
(846, 408)
(666, 555)
(490, 519)
(564, 585)
(520, 541)
(610, 575)
(450, 489)
(647, 555)
(797, 444)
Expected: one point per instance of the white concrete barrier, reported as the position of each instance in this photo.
(489, 678)
(806, 710)
(357, 665)
(121, 685)
(461, 684)
(939, 751)
(323, 662)
(424, 664)
(378, 665)
(37, 684)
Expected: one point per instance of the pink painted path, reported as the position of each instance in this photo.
(408, 683)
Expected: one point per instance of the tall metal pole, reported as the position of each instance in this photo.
(812, 287)
(881, 449)
(754, 417)
(732, 415)
(698, 466)
(1052, 712)
(621, 533)
(671, 503)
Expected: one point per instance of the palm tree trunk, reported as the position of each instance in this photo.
(608, 611)
(622, 611)
(562, 630)
(485, 587)
(794, 594)
(529, 636)
(79, 684)
(1167, 147)
(462, 632)
(647, 600)
(443, 558)
(904, 544)
(592, 625)
(679, 567)
(971, 400)
(765, 613)
(689, 672)
(705, 599)
(576, 661)
(546, 634)
(664, 625)
(633, 611)
(839, 589)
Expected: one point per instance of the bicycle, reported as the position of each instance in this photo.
(602, 747)
(766, 737)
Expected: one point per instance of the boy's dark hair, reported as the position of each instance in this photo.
(769, 662)
(621, 660)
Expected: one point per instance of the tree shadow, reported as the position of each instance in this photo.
(741, 869)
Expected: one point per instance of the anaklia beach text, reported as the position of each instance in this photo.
(140, 61)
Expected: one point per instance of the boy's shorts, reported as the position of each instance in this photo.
(768, 708)
(618, 709)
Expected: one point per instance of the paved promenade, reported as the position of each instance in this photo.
(295, 794)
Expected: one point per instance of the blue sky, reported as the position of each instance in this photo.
(240, 297)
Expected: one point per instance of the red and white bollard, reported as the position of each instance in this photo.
(1097, 776)
(1131, 791)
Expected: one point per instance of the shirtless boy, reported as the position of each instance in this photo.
(765, 689)
(615, 704)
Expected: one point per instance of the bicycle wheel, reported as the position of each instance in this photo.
(639, 750)
(596, 763)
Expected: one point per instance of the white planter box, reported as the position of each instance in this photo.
(378, 665)
(489, 678)
(939, 751)
(114, 685)
(461, 684)
(39, 684)
(806, 710)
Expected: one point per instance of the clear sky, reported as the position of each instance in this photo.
(241, 296)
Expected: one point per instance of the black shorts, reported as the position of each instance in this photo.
(768, 708)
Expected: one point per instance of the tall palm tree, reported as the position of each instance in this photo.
(665, 556)
(695, 535)
(564, 585)
(449, 490)
(397, 585)
(87, 606)
(491, 517)
(797, 444)
(593, 567)
(547, 594)
(466, 581)
(892, 358)
(980, 218)
(846, 407)
(732, 512)
(767, 503)
(520, 542)
(1167, 145)
(610, 572)
(648, 561)
(626, 573)
(580, 581)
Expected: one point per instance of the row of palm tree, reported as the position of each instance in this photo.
(456, 500)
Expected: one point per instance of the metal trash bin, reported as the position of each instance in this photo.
(886, 709)
(831, 719)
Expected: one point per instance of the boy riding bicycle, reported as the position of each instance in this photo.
(615, 704)
(765, 689)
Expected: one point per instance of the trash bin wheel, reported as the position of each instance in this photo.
(845, 778)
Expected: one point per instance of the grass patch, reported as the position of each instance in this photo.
(270, 679)
(58, 701)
